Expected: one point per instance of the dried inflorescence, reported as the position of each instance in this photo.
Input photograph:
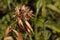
(24, 13)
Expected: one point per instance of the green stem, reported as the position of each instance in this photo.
(30, 37)
(44, 30)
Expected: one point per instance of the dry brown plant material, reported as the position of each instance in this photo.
(24, 13)
(18, 34)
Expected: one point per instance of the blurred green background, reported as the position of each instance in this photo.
(45, 23)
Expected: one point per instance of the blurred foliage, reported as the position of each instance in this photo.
(45, 23)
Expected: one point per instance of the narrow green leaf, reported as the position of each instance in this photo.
(58, 39)
(38, 6)
(43, 11)
(54, 8)
(53, 27)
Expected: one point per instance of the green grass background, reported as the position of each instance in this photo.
(45, 23)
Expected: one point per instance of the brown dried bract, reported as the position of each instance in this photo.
(8, 38)
(8, 30)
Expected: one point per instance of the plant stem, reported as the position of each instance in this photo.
(30, 37)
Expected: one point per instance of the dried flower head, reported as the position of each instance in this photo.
(23, 13)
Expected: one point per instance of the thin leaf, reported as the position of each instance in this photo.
(53, 27)
(54, 8)
(38, 6)
(43, 11)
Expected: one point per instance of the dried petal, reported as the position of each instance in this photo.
(28, 25)
(25, 8)
(18, 34)
(30, 14)
(28, 29)
(17, 11)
